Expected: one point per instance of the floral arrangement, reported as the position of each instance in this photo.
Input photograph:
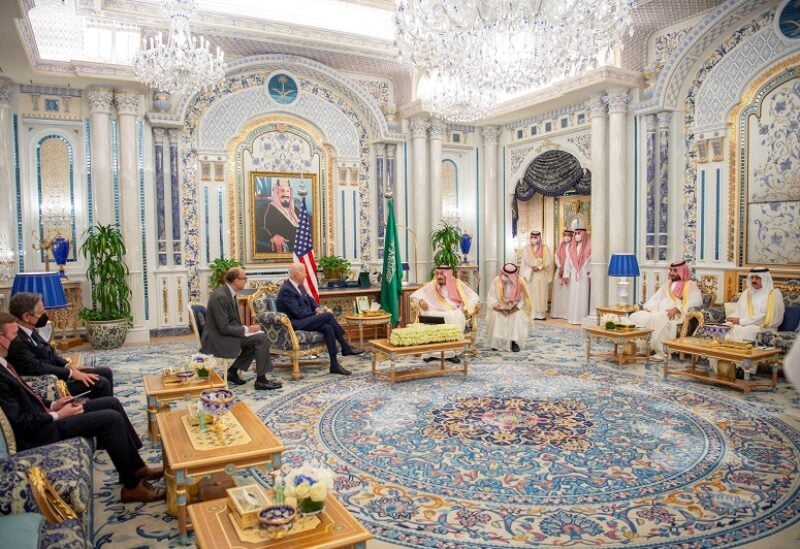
(609, 320)
(200, 364)
(420, 334)
(309, 485)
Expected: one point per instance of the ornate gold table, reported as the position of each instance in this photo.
(382, 349)
(188, 462)
(617, 338)
(361, 320)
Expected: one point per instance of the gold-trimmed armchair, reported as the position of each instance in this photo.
(284, 340)
(470, 330)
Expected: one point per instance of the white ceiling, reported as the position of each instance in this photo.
(356, 44)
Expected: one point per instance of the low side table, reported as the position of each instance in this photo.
(361, 320)
(160, 393)
(189, 465)
(617, 337)
(619, 310)
(213, 527)
(382, 349)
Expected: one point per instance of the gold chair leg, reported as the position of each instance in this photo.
(296, 367)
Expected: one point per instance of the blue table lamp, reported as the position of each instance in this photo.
(623, 266)
(47, 284)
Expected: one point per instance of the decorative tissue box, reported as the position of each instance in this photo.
(245, 502)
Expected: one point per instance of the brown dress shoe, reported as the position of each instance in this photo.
(143, 492)
(150, 473)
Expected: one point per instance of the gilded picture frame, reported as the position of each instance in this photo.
(274, 204)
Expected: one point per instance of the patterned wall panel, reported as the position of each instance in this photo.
(224, 118)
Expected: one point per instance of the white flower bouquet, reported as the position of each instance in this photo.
(200, 364)
(309, 485)
(609, 321)
(420, 334)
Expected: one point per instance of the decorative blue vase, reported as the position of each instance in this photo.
(60, 247)
(466, 244)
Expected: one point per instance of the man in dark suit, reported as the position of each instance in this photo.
(225, 337)
(304, 313)
(37, 422)
(31, 355)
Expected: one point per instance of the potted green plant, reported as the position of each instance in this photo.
(335, 269)
(218, 268)
(446, 242)
(108, 319)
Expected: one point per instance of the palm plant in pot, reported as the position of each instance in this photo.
(108, 319)
(446, 242)
(219, 267)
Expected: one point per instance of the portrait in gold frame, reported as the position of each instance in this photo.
(275, 203)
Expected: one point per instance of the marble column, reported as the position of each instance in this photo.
(127, 103)
(100, 100)
(618, 208)
(159, 135)
(650, 184)
(175, 198)
(8, 219)
(435, 135)
(599, 228)
(421, 204)
(490, 191)
(662, 244)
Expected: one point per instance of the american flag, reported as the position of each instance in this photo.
(304, 251)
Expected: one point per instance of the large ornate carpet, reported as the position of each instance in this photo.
(534, 449)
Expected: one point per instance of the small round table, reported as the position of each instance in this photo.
(361, 320)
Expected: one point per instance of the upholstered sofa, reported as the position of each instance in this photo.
(284, 340)
(54, 481)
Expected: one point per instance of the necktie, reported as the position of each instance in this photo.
(27, 387)
(38, 340)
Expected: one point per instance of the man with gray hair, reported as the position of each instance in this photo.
(31, 355)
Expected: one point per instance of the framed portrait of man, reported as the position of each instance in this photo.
(275, 211)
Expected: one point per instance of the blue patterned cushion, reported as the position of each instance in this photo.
(791, 319)
(70, 534)
(274, 325)
(45, 386)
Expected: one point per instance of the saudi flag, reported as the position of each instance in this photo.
(391, 281)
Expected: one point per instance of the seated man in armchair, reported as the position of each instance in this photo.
(666, 308)
(760, 307)
(448, 299)
(304, 314)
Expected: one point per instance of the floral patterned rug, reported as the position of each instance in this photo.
(532, 449)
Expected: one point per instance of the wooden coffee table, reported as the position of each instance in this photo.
(213, 527)
(746, 358)
(382, 349)
(617, 337)
(189, 464)
(159, 394)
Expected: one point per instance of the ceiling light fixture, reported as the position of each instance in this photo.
(475, 51)
(185, 62)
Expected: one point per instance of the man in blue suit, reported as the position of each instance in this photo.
(304, 313)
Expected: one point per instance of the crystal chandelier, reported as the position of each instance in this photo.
(476, 51)
(185, 62)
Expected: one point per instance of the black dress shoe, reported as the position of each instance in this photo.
(268, 385)
(454, 360)
(352, 352)
(514, 347)
(430, 358)
(338, 369)
(233, 377)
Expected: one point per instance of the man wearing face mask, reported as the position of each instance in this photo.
(577, 270)
(31, 355)
(537, 270)
(559, 304)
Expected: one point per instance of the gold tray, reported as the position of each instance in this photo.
(625, 328)
(374, 313)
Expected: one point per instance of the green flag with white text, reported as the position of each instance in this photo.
(391, 281)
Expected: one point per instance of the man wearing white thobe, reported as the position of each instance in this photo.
(559, 303)
(760, 307)
(667, 308)
(576, 271)
(448, 298)
(509, 311)
(537, 270)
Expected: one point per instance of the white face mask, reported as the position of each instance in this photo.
(578, 237)
(535, 241)
(567, 239)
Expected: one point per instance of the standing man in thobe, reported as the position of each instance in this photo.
(559, 303)
(577, 270)
(666, 308)
(509, 311)
(537, 270)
